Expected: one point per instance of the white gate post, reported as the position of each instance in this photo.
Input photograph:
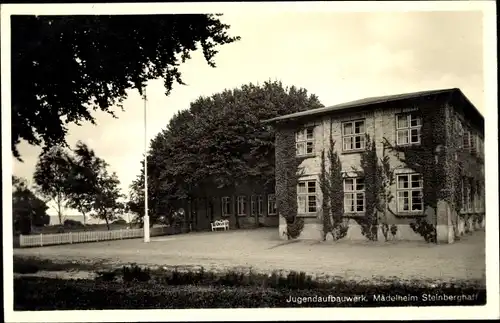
(70, 238)
(41, 240)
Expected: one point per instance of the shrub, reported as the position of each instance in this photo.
(25, 268)
(135, 273)
(120, 221)
(73, 224)
(32, 293)
(106, 275)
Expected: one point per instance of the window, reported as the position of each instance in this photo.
(466, 140)
(410, 192)
(354, 195)
(408, 128)
(271, 204)
(460, 132)
(253, 210)
(304, 139)
(473, 144)
(306, 197)
(353, 135)
(260, 205)
(242, 205)
(226, 206)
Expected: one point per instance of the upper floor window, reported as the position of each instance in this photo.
(460, 132)
(306, 197)
(353, 135)
(354, 195)
(271, 205)
(304, 141)
(473, 143)
(409, 192)
(408, 127)
(466, 139)
(226, 205)
(242, 205)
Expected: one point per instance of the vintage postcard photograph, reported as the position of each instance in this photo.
(249, 161)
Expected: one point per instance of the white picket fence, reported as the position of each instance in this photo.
(86, 236)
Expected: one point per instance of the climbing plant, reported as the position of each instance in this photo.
(441, 161)
(428, 159)
(332, 187)
(371, 173)
(385, 194)
(287, 175)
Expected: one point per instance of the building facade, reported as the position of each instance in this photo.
(432, 143)
(246, 206)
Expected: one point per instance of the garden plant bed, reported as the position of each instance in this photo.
(134, 287)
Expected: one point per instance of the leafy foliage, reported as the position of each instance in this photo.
(80, 180)
(51, 177)
(27, 208)
(371, 171)
(232, 290)
(77, 64)
(331, 183)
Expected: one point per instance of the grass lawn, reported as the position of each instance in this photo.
(262, 250)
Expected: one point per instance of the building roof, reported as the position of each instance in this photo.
(364, 103)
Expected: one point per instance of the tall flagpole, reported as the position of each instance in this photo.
(146, 215)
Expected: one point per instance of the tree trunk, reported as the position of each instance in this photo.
(107, 222)
(59, 213)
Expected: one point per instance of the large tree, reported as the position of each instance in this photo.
(83, 178)
(220, 142)
(52, 178)
(65, 67)
(106, 202)
(27, 209)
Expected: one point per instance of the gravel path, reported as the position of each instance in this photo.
(263, 251)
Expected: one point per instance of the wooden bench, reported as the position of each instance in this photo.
(218, 224)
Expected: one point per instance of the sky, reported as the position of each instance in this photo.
(337, 56)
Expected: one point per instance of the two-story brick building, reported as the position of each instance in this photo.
(434, 143)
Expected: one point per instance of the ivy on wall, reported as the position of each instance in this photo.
(441, 162)
(287, 175)
(429, 159)
(332, 187)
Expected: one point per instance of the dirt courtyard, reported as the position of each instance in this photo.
(262, 250)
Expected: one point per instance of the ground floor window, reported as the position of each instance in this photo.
(271, 204)
(409, 192)
(260, 205)
(354, 195)
(242, 205)
(226, 206)
(307, 197)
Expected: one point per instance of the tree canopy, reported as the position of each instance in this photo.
(220, 141)
(27, 209)
(65, 67)
(79, 179)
